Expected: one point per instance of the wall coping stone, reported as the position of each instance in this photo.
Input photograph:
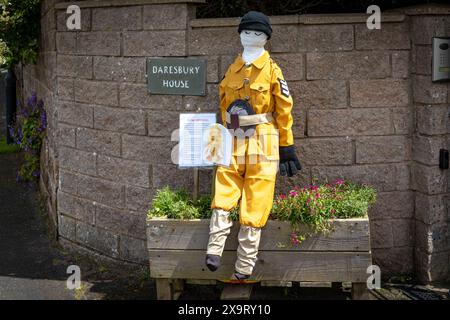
(120, 3)
(424, 9)
(331, 18)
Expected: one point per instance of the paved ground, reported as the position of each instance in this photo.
(33, 265)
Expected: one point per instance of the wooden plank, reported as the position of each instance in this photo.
(177, 288)
(316, 284)
(360, 291)
(163, 289)
(271, 265)
(201, 281)
(236, 292)
(273, 283)
(347, 235)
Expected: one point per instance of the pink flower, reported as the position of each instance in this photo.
(339, 182)
(293, 193)
(282, 196)
(308, 200)
(294, 239)
(317, 195)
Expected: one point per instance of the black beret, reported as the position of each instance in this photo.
(256, 21)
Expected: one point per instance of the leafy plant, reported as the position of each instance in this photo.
(178, 204)
(28, 133)
(19, 31)
(3, 53)
(315, 205)
(7, 148)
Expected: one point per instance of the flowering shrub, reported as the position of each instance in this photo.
(315, 205)
(28, 133)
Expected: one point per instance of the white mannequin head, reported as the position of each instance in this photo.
(250, 38)
(253, 43)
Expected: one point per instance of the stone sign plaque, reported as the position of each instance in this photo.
(176, 76)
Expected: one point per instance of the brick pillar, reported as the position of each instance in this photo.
(431, 184)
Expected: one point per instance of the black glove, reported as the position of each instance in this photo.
(289, 164)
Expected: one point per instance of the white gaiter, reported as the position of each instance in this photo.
(253, 43)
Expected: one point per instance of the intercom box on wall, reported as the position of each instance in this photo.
(441, 59)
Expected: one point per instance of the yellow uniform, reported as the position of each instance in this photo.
(261, 84)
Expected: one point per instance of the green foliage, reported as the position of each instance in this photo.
(3, 53)
(19, 31)
(7, 148)
(28, 133)
(179, 205)
(315, 205)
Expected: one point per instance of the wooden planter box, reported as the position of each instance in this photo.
(177, 251)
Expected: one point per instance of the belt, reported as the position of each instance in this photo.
(238, 121)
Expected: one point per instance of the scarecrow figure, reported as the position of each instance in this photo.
(256, 104)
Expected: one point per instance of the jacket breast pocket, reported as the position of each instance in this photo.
(260, 93)
(232, 91)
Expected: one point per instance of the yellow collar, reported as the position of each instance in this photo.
(258, 63)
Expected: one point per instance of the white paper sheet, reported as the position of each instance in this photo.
(191, 146)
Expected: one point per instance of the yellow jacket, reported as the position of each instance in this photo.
(262, 84)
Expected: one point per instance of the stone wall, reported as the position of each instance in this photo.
(365, 110)
(431, 185)
(41, 78)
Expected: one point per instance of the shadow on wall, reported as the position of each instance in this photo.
(2, 102)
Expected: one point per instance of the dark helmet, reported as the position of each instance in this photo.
(256, 21)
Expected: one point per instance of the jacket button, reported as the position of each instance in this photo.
(246, 98)
(246, 81)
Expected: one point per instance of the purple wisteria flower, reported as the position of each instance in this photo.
(43, 120)
(32, 100)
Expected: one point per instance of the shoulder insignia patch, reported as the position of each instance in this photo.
(284, 88)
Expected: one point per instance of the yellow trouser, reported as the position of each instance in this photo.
(251, 182)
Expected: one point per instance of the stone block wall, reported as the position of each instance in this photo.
(431, 184)
(41, 78)
(365, 109)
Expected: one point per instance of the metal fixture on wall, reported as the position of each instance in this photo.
(443, 159)
(441, 59)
